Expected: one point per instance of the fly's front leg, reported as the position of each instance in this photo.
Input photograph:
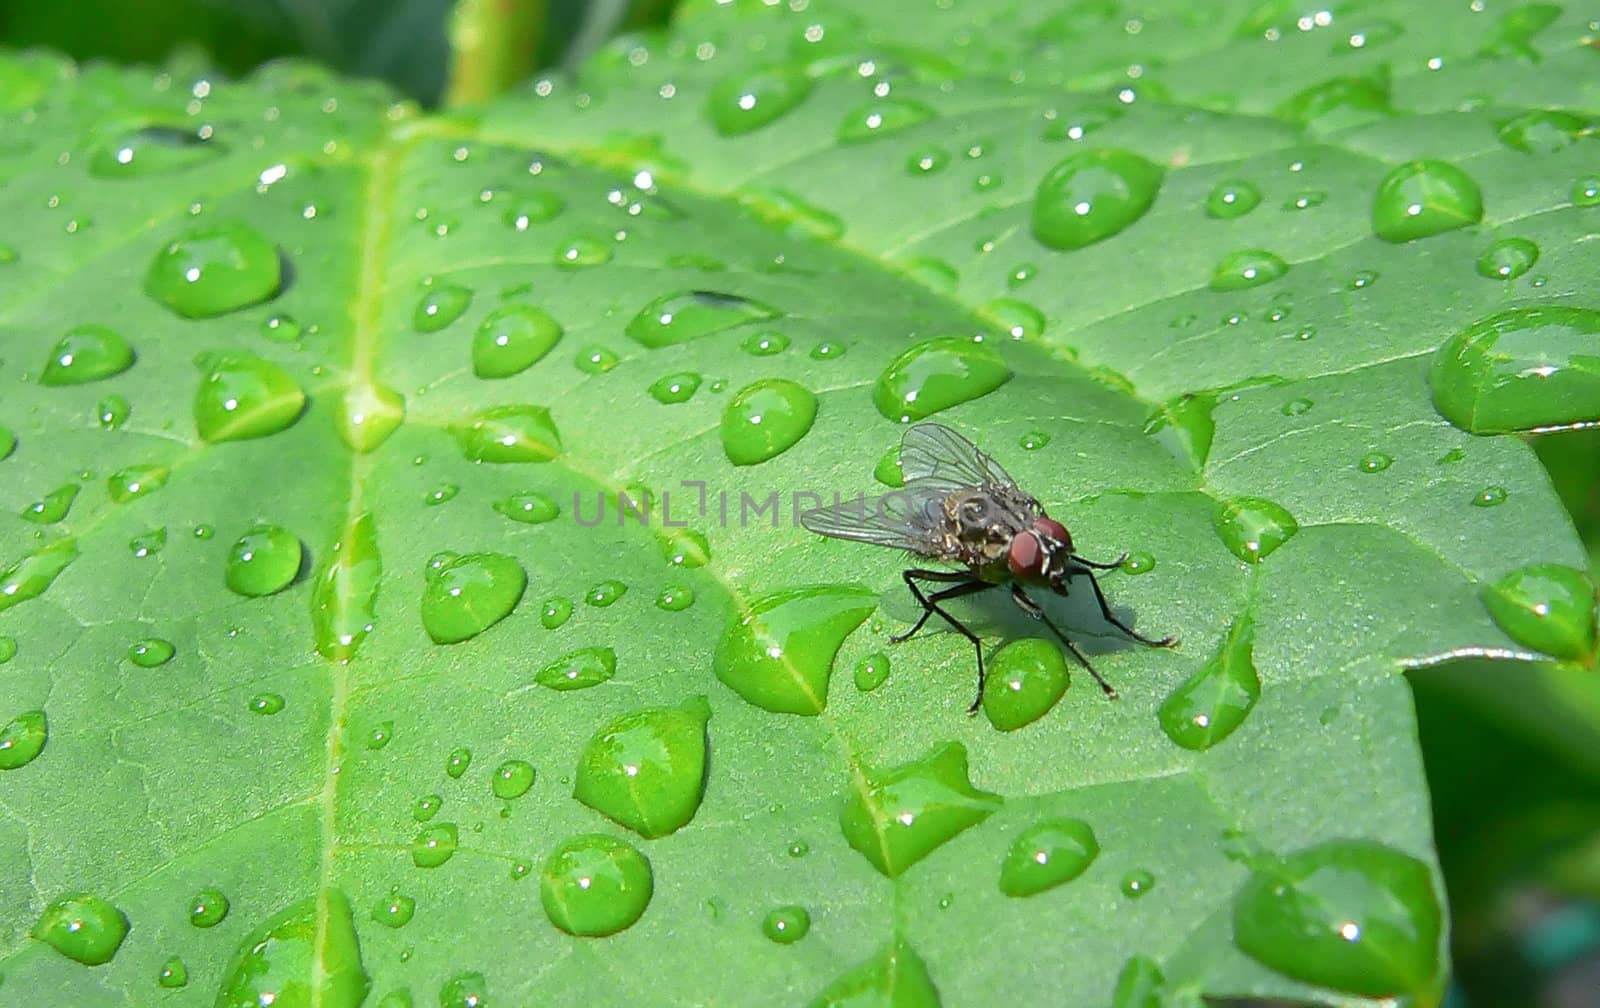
(1105, 610)
(1035, 610)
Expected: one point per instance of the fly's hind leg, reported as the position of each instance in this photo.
(1035, 610)
(966, 585)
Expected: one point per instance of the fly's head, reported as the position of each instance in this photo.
(1041, 553)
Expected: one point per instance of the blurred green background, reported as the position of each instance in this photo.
(1513, 755)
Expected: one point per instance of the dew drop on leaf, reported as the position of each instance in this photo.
(1247, 268)
(511, 779)
(1520, 369)
(1423, 198)
(596, 360)
(880, 118)
(381, 735)
(214, 269)
(679, 318)
(936, 374)
(765, 419)
(786, 924)
(1184, 426)
(1373, 462)
(52, 507)
(1093, 195)
(1508, 259)
(675, 598)
(897, 816)
(678, 387)
(263, 561)
(28, 577)
(1137, 883)
(112, 412)
(368, 414)
(1138, 562)
(87, 353)
(244, 397)
(555, 611)
(1214, 701)
(1018, 319)
(150, 652)
(887, 471)
(872, 671)
(779, 654)
(394, 910)
(579, 669)
(456, 764)
(1139, 985)
(434, 845)
(151, 150)
(173, 974)
(646, 770)
(83, 927)
(306, 953)
(1547, 607)
(508, 434)
(22, 740)
(530, 508)
(530, 208)
(605, 593)
(344, 594)
(135, 481)
(579, 252)
(511, 339)
(439, 306)
(1232, 198)
(426, 807)
(281, 328)
(207, 908)
(468, 594)
(1026, 678)
(464, 990)
(1047, 854)
(895, 976)
(266, 704)
(740, 103)
(1252, 527)
(594, 885)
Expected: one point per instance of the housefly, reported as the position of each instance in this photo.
(959, 507)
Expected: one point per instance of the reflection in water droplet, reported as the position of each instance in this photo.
(1373, 462)
(1138, 562)
(368, 414)
(579, 251)
(456, 764)
(87, 353)
(1544, 131)
(265, 704)
(151, 150)
(110, 413)
(675, 598)
(595, 885)
(512, 779)
(530, 508)
(470, 593)
(243, 397)
(605, 593)
(898, 816)
(1184, 426)
(394, 910)
(344, 595)
(173, 974)
(135, 481)
(678, 318)
(464, 990)
(52, 507)
(263, 561)
(29, 577)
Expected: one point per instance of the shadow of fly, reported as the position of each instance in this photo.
(959, 507)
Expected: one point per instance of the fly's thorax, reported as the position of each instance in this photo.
(981, 523)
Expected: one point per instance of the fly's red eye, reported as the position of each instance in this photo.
(1055, 530)
(1026, 556)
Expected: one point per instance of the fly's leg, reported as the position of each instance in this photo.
(1105, 610)
(967, 585)
(1113, 565)
(1035, 610)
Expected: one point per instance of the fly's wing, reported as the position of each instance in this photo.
(935, 453)
(908, 519)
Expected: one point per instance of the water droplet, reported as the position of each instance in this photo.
(511, 779)
(394, 910)
(646, 769)
(1232, 198)
(1352, 915)
(1019, 319)
(530, 208)
(578, 252)
(786, 925)
(441, 494)
(827, 350)
(203, 531)
(675, 598)
(214, 269)
(8, 648)
(112, 412)
(22, 739)
(207, 908)
(457, 762)
(8, 442)
(1373, 462)
(135, 481)
(1092, 196)
(1586, 191)
(740, 103)
(1423, 198)
(605, 593)
(150, 652)
(1546, 607)
(439, 306)
(381, 735)
(765, 419)
(1139, 984)
(556, 611)
(344, 595)
(1215, 700)
(151, 150)
(1296, 407)
(87, 353)
(798, 848)
(1138, 562)
(1338, 103)
(173, 974)
(1047, 854)
(265, 704)
(511, 339)
(29, 577)
(1309, 199)
(927, 161)
(882, 117)
(264, 561)
(1247, 268)
(936, 374)
(281, 328)
(469, 594)
(83, 927)
(1034, 440)
(434, 845)
(52, 507)
(508, 434)
(465, 990)
(305, 954)
(596, 360)
(368, 414)
(765, 344)
(1137, 882)
(1518, 370)
(1362, 279)
(426, 807)
(1545, 131)
(872, 672)
(686, 548)
(595, 885)
(1184, 426)
(674, 388)
(897, 817)
(1026, 678)
(530, 508)
(1252, 527)
(244, 397)
(679, 318)
(1508, 259)
(579, 669)
(779, 654)
(895, 976)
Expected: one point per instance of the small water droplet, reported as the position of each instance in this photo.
(207, 908)
(1136, 883)
(765, 419)
(511, 339)
(1026, 678)
(394, 910)
(595, 360)
(441, 494)
(927, 161)
(798, 848)
(23, 739)
(52, 507)
(111, 412)
(530, 508)
(29, 577)
(281, 328)
(464, 990)
(882, 117)
(511, 779)
(1047, 854)
(1373, 462)
(439, 306)
(679, 318)
(786, 924)
(173, 974)
(898, 816)
(674, 388)
(743, 102)
(1544, 131)
(265, 704)
(457, 762)
(1423, 198)
(8, 648)
(1508, 259)
(779, 654)
(1184, 426)
(426, 807)
(87, 353)
(1547, 607)
(1253, 527)
(555, 611)
(1138, 562)
(1232, 198)
(263, 561)
(872, 671)
(764, 344)
(468, 594)
(936, 374)
(1019, 319)
(675, 598)
(135, 481)
(1093, 195)
(579, 251)
(579, 669)
(83, 927)
(381, 735)
(435, 845)
(1296, 407)
(508, 434)
(1034, 440)
(214, 269)
(530, 208)
(1247, 268)
(150, 150)
(150, 652)
(1586, 191)
(1490, 496)
(605, 593)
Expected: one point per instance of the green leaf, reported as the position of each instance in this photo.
(481, 348)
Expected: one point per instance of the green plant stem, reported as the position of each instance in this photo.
(494, 44)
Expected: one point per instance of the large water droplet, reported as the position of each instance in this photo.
(1422, 198)
(151, 652)
(1247, 268)
(779, 654)
(1252, 527)
(595, 885)
(530, 208)
(1184, 426)
(897, 817)
(22, 739)
(936, 374)
(882, 117)
(1093, 195)
(1339, 103)
(1521, 369)
(306, 954)
(894, 978)
(744, 102)
(29, 577)
(244, 397)
(434, 845)
(1026, 678)
(509, 434)
(646, 770)
(872, 671)
(368, 414)
(83, 927)
(468, 594)
(579, 669)
(766, 419)
(52, 507)
(344, 596)
(87, 353)
(1547, 607)
(1214, 701)
(1047, 854)
(439, 306)
(263, 561)
(214, 269)
(1545, 131)
(678, 318)
(1508, 259)
(511, 339)
(786, 924)
(1352, 915)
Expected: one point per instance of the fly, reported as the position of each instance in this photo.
(959, 507)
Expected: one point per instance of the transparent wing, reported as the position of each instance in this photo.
(934, 452)
(908, 519)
